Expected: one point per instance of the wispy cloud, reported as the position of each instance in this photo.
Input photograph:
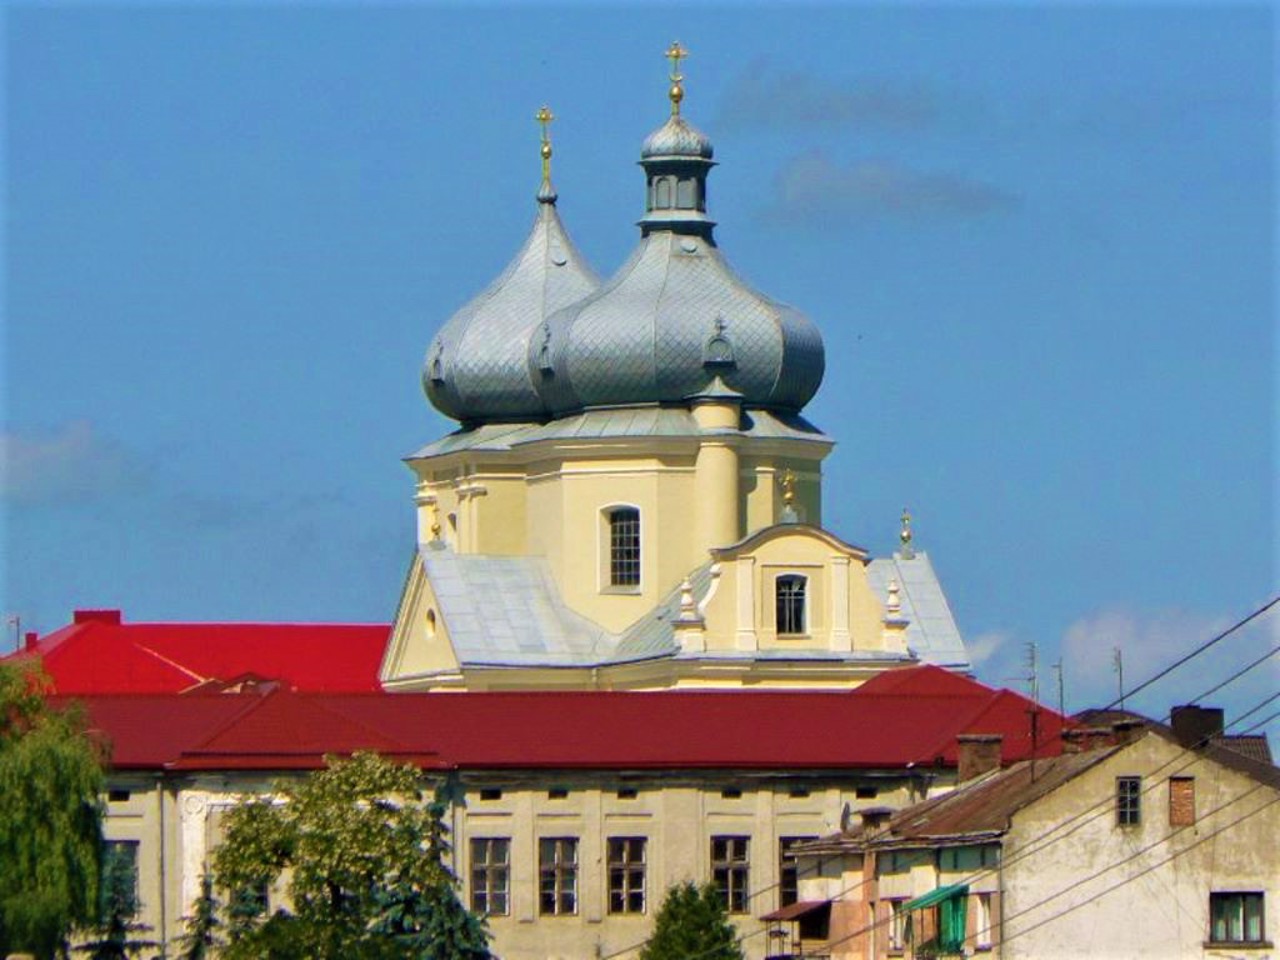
(762, 97)
(986, 646)
(812, 190)
(72, 462)
(1150, 642)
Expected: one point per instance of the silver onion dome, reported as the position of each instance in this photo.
(476, 368)
(675, 316)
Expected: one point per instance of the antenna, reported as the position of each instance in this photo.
(15, 621)
(1118, 663)
(1062, 687)
(1033, 681)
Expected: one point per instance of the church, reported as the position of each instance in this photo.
(624, 630)
(634, 497)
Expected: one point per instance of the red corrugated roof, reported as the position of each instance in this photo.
(98, 655)
(602, 730)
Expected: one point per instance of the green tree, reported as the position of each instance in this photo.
(692, 923)
(51, 779)
(116, 935)
(200, 939)
(363, 847)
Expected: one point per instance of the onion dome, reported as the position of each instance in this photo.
(476, 369)
(676, 316)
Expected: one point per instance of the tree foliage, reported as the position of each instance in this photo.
(117, 934)
(361, 847)
(200, 939)
(51, 779)
(692, 922)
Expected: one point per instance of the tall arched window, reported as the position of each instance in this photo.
(790, 596)
(624, 547)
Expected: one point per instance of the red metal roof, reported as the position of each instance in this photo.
(100, 654)
(283, 729)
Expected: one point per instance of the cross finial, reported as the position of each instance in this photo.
(544, 117)
(788, 486)
(676, 53)
(904, 535)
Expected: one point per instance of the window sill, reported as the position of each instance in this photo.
(1238, 945)
(627, 591)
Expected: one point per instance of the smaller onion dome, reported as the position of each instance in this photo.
(476, 368)
(677, 138)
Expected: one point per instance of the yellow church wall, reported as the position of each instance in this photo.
(499, 516)
(419, 641)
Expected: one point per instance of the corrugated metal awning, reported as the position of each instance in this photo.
(795, 911)
(934, 897)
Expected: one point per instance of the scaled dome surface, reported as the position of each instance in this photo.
(476, 368)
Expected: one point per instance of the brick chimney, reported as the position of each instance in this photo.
(112, 617)
(978, 753)
(1193, 726)
(30, 640)
(1127, 731)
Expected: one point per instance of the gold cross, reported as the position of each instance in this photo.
(676, 53)
(544, 118)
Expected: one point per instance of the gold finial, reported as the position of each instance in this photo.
(435, 520)
(904, 535)
(676, 53)
(544, 118)
(788, 487)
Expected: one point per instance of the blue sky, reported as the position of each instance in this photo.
(1039, 241)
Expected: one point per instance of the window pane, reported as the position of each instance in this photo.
(624, 547)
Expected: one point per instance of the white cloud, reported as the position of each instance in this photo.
(985, 646)
(813, 189)
(72, 462)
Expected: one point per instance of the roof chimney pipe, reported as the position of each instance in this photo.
(1195, 726)
(977, 753)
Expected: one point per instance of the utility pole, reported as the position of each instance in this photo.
(1033, 681)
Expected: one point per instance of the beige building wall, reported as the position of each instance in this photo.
(1143, 890)
(176, 822)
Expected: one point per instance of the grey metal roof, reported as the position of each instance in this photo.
(932, 633)
(507, 611)
(477, 366)
(621, 422)
(674, 317)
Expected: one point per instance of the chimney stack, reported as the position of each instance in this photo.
(1127, 731)
(978, 753)
(1194, 726)
(30, 640)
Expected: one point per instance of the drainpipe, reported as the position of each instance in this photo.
(164, 880)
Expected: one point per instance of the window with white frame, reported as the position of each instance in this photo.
(790, 591)
(982, 926)
(624, 547)
(491, 875)
(897, 934)
(731, 870)
(1237, 917)
(558, 875)
(626, 874)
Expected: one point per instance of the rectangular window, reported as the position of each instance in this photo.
(897, 925)
(790, 607)
(1182, 801)
(1128, 801)
(118, 889)
(558, 875)
(788, 873)
(624, 547)
(982, 923)
(626, 874)
(731, 870)
(1236, 918)
(491, 875)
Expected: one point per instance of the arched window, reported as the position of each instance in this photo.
(790, 596)
(624, 547)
